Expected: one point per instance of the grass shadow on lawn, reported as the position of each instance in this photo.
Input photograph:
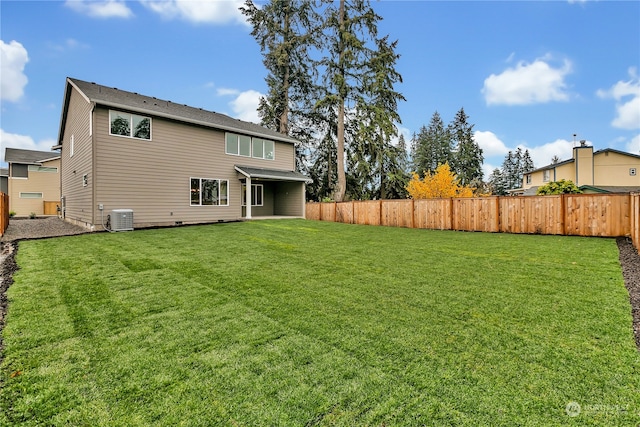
(310, 323)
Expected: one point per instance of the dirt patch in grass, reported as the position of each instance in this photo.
(7, 267)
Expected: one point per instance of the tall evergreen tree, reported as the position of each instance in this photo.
(432, 147)
(377, 112)
(396, 171)
(468, 158)
(510, 176)
(286, 31)
(349, 29)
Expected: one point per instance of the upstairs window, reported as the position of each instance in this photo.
(528, 178)
(545, 175)
(129, 125)
(262, 149)
(36, 168)
(241, 145)
(19, 171)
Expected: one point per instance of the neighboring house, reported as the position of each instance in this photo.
(33, 181)
(4, 180)
(603, 171)
(170, 163)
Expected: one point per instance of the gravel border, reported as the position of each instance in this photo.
(39, 228)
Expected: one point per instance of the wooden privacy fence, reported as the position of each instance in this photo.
(604, 215)
(4, 213)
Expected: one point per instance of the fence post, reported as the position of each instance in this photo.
(413, 213)
(563, 214)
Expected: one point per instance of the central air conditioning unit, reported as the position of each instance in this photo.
(122, 220)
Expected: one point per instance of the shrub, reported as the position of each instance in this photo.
(32, 215)
(442, 183)
(559, 187)
(12, 214)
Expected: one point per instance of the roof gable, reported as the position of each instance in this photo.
(31, 157)
(120, 99)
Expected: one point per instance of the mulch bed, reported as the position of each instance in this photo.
(630, 262)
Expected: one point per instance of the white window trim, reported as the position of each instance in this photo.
(31, 192)
(130, 136)
(546, 175)
(253, 186)
(210, 179)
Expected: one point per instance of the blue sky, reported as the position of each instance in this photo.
(528, 73)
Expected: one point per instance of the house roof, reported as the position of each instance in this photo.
(276, 174)
(595, 153)
(31, 157)
(134, 102)
(4, 172)
(610, 188)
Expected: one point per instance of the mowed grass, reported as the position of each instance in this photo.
(303, 323)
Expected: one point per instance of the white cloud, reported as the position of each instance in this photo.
(67, 45)
(542, 154)
(223, 91)
(245, 106)
(528, 83)
(633, 146)
(100, 9)
(13, 58)
(25, 142)
(202, 11)
(627, 96)
(490, 143)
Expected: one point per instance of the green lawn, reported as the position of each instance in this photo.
(294, 323)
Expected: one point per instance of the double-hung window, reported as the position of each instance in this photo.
(545, 175)
(209, 192)
(257, 194)
(129, 125)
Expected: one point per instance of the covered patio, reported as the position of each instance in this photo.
(272, 192)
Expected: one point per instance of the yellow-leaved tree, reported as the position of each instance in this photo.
(442, 183)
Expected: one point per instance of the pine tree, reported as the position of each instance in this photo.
(286, 31)
(432, 146)
(349, 28)
(468, 155)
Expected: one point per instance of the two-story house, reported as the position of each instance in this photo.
(169, 163)
(33, 181)
(602, 171)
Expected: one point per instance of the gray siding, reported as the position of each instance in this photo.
(153, 177)
(289, 199)
(78, 199)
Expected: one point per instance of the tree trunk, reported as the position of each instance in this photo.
(342, 180)
(284, 117)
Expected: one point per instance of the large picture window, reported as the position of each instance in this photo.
(129, 125)
(257, 193)
(241, 145)
(209, 192)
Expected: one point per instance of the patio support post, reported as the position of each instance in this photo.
(248, 197)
